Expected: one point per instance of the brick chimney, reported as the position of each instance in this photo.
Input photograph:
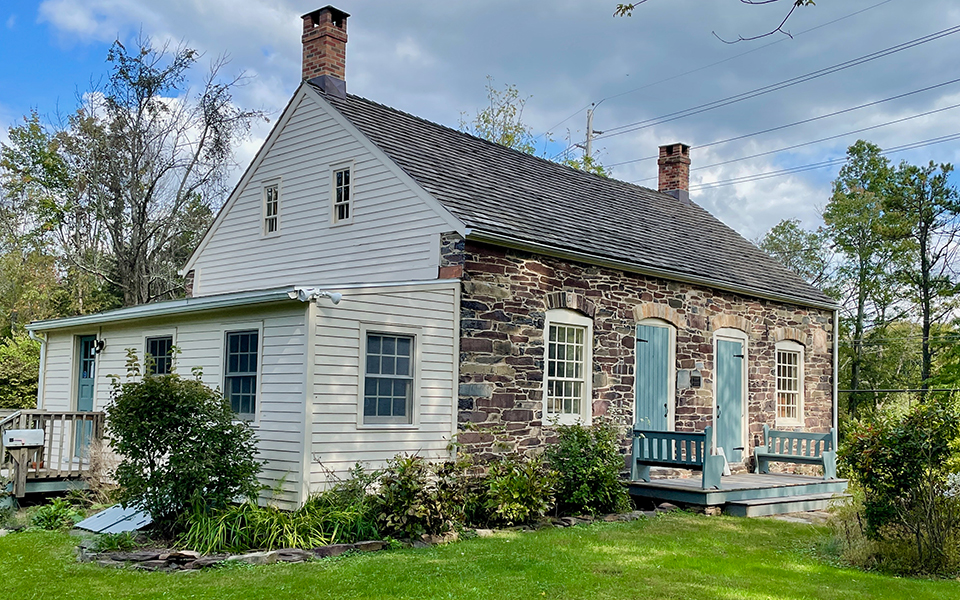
(325, 48)
(674, 163)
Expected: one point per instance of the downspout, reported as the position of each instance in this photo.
(43, 364)
(836, 378)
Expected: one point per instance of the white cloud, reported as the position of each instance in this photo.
(11, 21)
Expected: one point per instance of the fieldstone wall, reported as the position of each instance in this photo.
(505, 294)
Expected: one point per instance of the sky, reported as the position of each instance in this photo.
(432, 58)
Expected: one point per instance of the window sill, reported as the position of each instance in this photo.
(390, 426)
(780, 423)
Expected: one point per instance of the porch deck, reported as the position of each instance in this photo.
(745, 494)
(62, 461)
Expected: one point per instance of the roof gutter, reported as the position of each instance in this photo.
(174, 307)
(517, 244)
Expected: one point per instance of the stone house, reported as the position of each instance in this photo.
(379, 284)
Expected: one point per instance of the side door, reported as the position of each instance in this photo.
(729, 396)
(653, 372)
(86, 376)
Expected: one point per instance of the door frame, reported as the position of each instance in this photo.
(75, 371)
(733, 335)
(671, 370)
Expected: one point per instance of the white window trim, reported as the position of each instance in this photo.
(563, 316)
(263, 210)
(333, 192)
(792, 346)
(735, 335)
(417, 334)
(672, 372)
(236, 328)
(170, 332)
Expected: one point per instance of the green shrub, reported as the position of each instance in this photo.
(179, 444)
(906, 466)
(519, 490)
(19, 372)
(57, 515)
(588, 465)
(411, 503)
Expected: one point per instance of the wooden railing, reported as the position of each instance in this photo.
(693, 450)
(65, 453)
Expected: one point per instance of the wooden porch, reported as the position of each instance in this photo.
(746, 494)
(56, 460)
(741, 494)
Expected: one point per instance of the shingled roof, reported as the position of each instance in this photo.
(509, 194)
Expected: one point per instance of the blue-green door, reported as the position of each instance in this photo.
(653, 377)
(729, 398)
(86, 366)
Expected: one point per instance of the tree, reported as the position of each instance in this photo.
(626, 10)
(864, 235)
(926, 208)
(130, 180)
(803, 252)
(19, 370)
(501, 122)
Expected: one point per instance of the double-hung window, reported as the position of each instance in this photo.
(271, 208)
(789, 383)
(568, 367)
(159, 352)
(240, 375)
(388, 384)
(342, 196)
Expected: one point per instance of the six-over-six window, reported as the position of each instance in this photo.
(565, 369)
(240, 377)
(789, 381)
(388, 380)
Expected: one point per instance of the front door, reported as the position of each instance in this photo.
(729, 398)
(85, 378)
(653, 377)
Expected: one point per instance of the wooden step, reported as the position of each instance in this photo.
(762, 507)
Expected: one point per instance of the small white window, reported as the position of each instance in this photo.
(569, 367)
(789, 383)
(271, 208)
(342, 196)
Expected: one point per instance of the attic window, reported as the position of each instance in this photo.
(342, 205)
(271, 208)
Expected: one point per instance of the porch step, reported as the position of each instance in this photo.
(762, 507)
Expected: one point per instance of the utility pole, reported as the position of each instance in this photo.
(588, 151)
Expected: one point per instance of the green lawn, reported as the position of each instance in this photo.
(676, 556)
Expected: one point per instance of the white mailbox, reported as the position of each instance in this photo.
(22, 438)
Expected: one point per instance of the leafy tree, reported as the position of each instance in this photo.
(19, 370)
(180, 446)
(926, 208)
(864, 236)
(803, 252)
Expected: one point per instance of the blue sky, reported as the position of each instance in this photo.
(432, 57)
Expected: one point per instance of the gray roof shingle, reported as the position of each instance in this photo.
(504, 192)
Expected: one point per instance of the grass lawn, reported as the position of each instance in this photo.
(675, 556)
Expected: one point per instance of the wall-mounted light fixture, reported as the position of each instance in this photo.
(97, 347)
(309, 294)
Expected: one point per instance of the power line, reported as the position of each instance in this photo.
(819, 165)
(714, 64)
(825, 139)
(801, 122)
(630, 127)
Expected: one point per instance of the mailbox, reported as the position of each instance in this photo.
(22, 438)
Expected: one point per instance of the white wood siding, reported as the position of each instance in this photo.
(338, 441)
(393, 235)
(201, 339)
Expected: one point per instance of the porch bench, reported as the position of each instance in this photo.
(693, 450)
(799, 448)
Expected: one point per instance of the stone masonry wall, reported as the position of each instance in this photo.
(506, 293)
